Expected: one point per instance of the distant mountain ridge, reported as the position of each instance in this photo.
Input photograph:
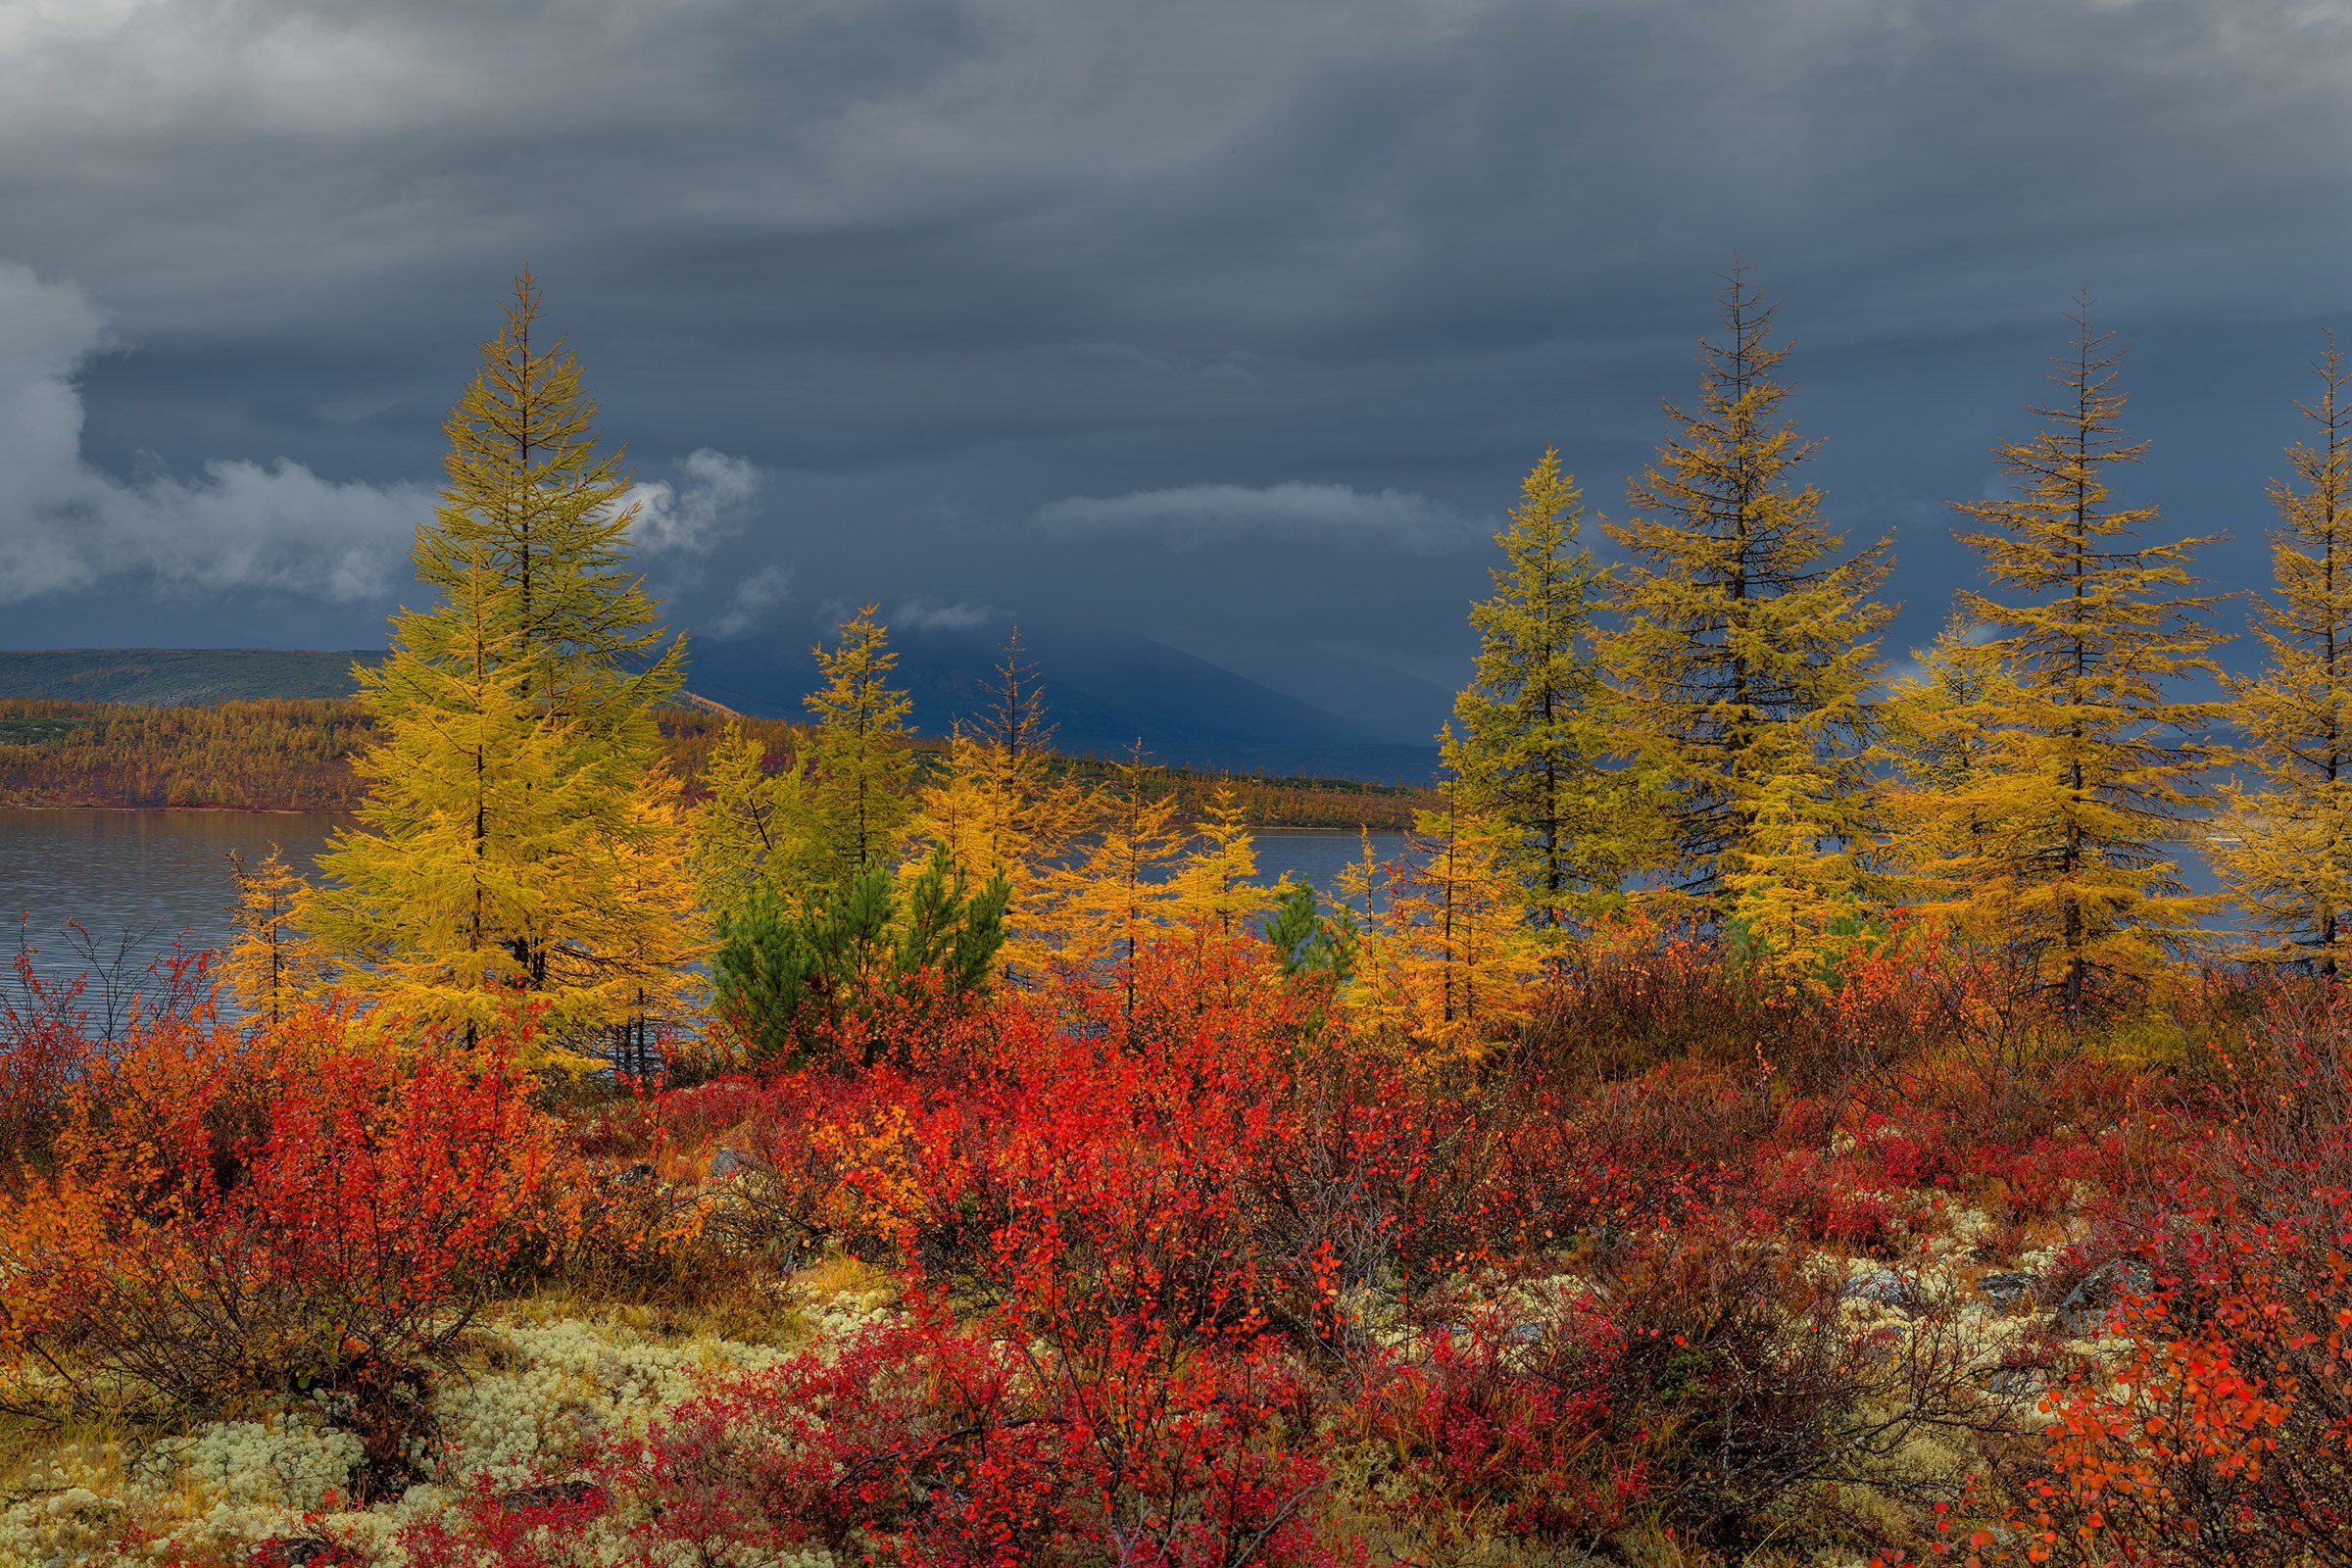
(1105, 693)
(179, 678)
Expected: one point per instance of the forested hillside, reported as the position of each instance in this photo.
(173, 676)
(284, 755)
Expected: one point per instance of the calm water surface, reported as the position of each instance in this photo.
(156, 877)
(151, 877)
(1318, 857)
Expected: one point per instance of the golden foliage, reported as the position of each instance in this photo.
(2286, 849)
(2079, 765)
(1744, 645)
(518, 847)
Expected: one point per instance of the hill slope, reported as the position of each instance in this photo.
(1106, 692)
(177, 677)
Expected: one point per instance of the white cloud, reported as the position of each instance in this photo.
(66, 526)
(691, 518)
(754, 597)
(1334, 513)
(923, 612)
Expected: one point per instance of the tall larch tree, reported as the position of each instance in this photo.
(1216, 888)
(2088, 758)
(755, 827)
(1447, 959)
(997, 810)
(1932, 740)
(1120, 891)
(1013, 716)
(271, 964)
(1743, 648)
(2289, 855)
(858, 751)
(1533, 723)
(491, 864)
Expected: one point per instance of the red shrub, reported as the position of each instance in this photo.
(924, 1444)
(2223, 1436)
(1503, 1427)
(226, 1213)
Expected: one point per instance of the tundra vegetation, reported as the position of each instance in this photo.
(1770, 1113)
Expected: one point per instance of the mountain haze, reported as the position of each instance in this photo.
(1105, 693)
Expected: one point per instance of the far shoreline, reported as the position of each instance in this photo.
(168, 810)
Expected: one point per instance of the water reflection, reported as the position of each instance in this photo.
(137, 883)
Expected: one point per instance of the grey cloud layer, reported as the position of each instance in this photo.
(66, 526)
(996, 294)
(1197, 513)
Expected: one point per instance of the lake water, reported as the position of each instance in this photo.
(142, 878)
(155, 877)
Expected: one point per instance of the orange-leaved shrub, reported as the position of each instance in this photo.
(223, 1211)
(2219, 1429)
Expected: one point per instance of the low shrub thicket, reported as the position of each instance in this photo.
(212, 1215)
(1191, 1274)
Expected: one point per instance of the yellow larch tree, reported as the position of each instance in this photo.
(489, 868)
(1934, 746)
(1533, 720)
(2086, 761)
(859, 752)
(756, 826)
(271, 964)
(1743, 645)
(1447, 961)
(1118, 894)
(2286, 852)
(660, 965)
(1216, 888)
(997, 809)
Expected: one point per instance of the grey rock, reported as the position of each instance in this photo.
(2083, 1311)
(554, 1494)
(2013, 1382)
(1885, 1288)
(2005, 1290)
(727, 1161)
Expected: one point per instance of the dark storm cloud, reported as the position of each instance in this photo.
(1020, 306)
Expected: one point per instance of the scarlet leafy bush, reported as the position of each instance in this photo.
(1502, 1428)
(495, 1527)
(2222, 1434)
(225, 1213)
(50, 1031)
(919, 1441)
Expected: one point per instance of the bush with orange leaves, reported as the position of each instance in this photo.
(2220, 1431)
(224, 1213)
(1638, 993)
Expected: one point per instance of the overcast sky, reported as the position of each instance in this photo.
(1232, 324)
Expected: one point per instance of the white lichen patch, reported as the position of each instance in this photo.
(569, 1382)
(542, 1390)
(213, 1490)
